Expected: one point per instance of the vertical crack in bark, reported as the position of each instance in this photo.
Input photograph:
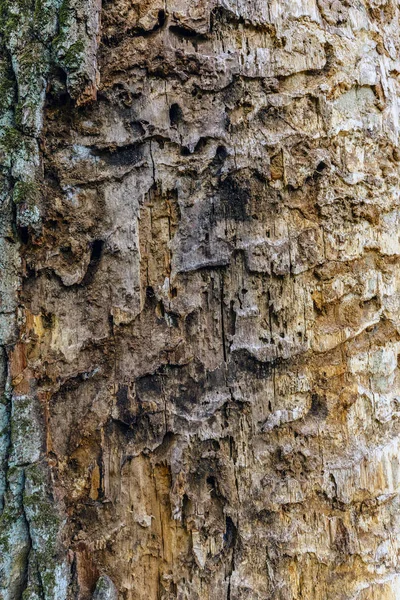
(222, 301)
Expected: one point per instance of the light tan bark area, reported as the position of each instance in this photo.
(209, 308)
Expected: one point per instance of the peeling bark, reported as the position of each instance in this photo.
(199, 309)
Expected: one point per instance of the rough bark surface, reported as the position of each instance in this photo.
(200, 310)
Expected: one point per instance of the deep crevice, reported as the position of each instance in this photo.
(95, 258)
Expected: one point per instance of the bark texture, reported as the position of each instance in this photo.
(200, 309)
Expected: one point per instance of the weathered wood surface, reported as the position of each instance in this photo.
(200, 309)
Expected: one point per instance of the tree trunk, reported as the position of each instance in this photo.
(199, 300)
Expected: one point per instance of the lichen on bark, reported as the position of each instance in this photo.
(33, 559)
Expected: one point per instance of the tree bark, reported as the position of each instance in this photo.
(199, 301)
